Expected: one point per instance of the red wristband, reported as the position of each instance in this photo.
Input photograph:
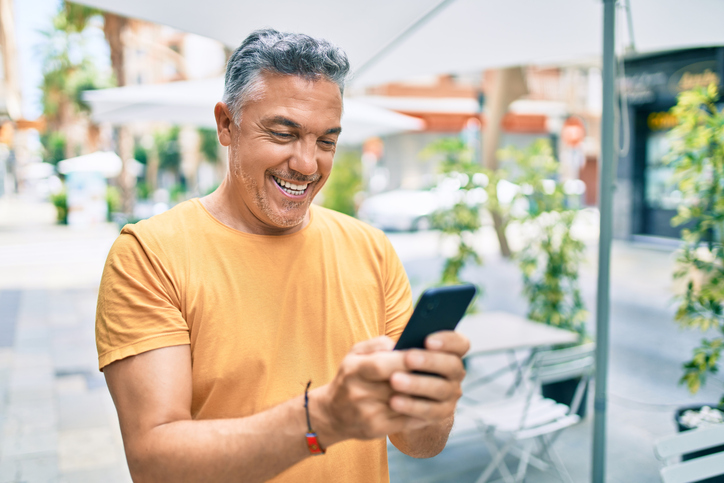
(313, 444)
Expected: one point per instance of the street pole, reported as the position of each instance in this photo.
(604, 243)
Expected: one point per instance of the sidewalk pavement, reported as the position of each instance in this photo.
(58, 423)
(57, 420)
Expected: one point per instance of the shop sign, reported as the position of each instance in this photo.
(699, 74)
(641, 88)
(646, 87)
(661, 121)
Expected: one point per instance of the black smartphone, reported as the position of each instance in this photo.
(438, 309)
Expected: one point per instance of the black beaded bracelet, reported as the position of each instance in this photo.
(312, 443)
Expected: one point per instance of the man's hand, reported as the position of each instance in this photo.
(375, 393)
(429, 398)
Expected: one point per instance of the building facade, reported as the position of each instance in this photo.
(646, 198)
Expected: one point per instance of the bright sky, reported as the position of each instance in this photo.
(31, 17)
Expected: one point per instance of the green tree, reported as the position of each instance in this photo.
(209, 146)
(67, 71)
(169, 152)
(697, 155)
(462, 219)
(551, 257)
(345, 181)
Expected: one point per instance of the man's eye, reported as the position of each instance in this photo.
(283, 135)
(329, 144)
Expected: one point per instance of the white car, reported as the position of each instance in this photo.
(404, 210)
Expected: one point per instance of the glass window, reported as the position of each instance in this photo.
(660, 191)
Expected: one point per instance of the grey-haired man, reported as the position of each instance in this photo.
(213, 318)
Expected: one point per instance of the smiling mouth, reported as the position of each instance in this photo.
(291, 188)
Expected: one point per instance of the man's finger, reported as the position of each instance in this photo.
(382, 343)
(447, 365)
(424, 409)
(435, 388)
(380, 366)
(448, 341)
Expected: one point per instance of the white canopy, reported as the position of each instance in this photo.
(192, 102)
(107, 163)
(460, 36)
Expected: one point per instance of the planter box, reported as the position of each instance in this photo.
(563, 393)
(698, 454)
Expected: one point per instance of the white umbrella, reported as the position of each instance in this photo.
(441, 36)
(107, 163)
(192, 102)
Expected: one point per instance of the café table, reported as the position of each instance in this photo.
(495, 332)
(491, 332)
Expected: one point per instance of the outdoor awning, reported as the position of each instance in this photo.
(459, 36)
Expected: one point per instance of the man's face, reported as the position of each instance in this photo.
(282, 150)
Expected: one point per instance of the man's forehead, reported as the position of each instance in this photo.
(297, 102)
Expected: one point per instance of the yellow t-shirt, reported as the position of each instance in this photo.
(263, 314)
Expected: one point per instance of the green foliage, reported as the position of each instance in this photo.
(113, 200)
(169, 150)
(143, 190)
(68, 69)
(697, 155)
(177, 193)
(140, 154)
(53, 146)
(344, 182)
(462, 219)
(551, 258)
(60, 201)
(209, 145)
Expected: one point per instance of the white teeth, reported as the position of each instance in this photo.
(295, 189)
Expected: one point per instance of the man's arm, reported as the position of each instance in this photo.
(152, 394)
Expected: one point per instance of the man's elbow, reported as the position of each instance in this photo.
(420, 448)
(141, 465)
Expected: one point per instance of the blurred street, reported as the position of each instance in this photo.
(58, 423)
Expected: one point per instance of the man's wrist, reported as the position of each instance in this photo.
(321, 418)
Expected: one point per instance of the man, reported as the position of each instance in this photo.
(214, 316)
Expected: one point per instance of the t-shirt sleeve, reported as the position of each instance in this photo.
(138, 306)
(398, 295)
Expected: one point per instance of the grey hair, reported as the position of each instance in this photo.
(272, 52)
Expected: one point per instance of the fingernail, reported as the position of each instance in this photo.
(434, 343)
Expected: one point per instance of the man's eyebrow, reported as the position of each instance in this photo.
(283, 121)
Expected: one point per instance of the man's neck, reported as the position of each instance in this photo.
(231, 210)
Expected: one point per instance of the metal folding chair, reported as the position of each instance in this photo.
(669, 448)
(526, 424)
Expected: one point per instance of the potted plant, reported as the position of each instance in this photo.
(462, 219)
(697, 156)
(551, 257)
(60, 201)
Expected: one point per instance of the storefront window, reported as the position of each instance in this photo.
(661, 192)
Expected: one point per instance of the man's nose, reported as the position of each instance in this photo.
(304, 160)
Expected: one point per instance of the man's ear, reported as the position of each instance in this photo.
(224, 121)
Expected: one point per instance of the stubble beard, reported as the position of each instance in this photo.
(261, 200)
